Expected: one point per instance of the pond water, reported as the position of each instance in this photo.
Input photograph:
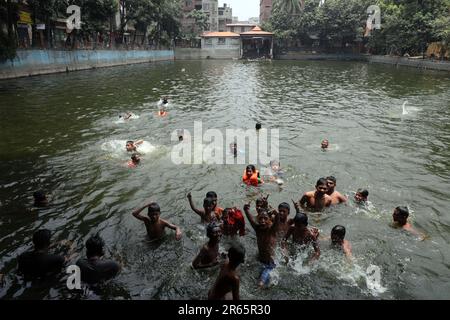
(61, 133)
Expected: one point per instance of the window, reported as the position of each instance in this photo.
(242, 29)
(206, 7)
(208, 42)
(222, 41)
(232, 29)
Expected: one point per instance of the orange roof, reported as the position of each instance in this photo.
(257, 31)
(220, 34)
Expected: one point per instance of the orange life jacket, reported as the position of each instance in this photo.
(252, 180)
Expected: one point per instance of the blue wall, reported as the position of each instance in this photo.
(32, 62)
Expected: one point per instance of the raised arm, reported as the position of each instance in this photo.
(139, 142)
(137, 215)
(173, 227)
(304, 201)
(201, 213)
(296, 206)
(249, 216)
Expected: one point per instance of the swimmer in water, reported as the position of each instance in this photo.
(325, 144)
(135, 161)
(338, 241)
(275, 172)
(154, 224)
(210, 212)
(266, 238)
(127, 116)
(40, 199)
(131, 146)
(361, 196)
(233, 222)
(209, 253)
(283, 210)
(400, 217)
(336, 197)
(258, 126)
(251, 176)
(227, 283)
(316, 200)
(302, 235)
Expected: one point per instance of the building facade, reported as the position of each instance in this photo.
(265, 10)
(225, 16)
(211, 8)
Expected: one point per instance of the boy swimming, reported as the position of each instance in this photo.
(266, 237)
(210, 210)
(361, 196)
(324, 144)
(227, 283)
(400, 217)
(303, 235)
(209, 253)
(233, 222)
(154, 224)
(131, 146)
(283, 210)
(316, 200)
(135, 161)
(251, 176)
(336, 197)
(338, 241)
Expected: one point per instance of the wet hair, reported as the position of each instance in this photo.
(363, 192)
(403, 211)
(236, 254)
(208, 202)
(134, 157)
(258, 126)
(321, 181)
(210, 229)
(339, 231)
(301, 219)
(264, 212)
(153, 208)
(41, 239)
(130, 141)
(284, 205)
(251, 167)
(211, 194)
(39, 196)
(331, 178)
(94, 246)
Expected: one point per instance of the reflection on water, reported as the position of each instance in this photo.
(58, 133)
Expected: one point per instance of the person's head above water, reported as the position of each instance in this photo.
(401, 215)
(331, 183)
(213, 196)
(136, 158)
(208, 205)
(325, 144)
(154, 211)
(275, 165)
(236, 254)
(40, 199)
(263, 218)
(41, 239)
(130, 146)
(337, 234)
(361, 195)
(321, 186)
(250, 169)
(258, 126)
(213, 231)
(284, 209)
(301, 220)
(94, 246)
